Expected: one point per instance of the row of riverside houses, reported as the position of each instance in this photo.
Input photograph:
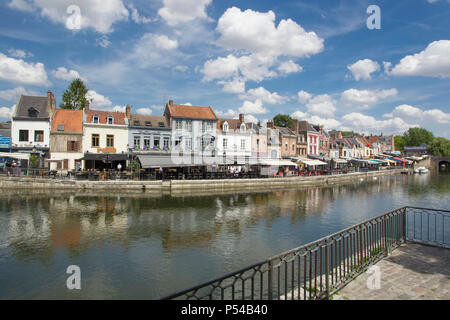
(95, 139)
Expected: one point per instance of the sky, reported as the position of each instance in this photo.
(343, 64)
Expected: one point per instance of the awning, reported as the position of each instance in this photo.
(277, 162)
(374, 161)
(15, 155)
(311, 162)
(152, 161)
(105, 156)
(339, 160)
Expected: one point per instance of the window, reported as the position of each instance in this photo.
(166, 143)
(225, 143)
(72, 146)
(189, 143)
(156, 142)
(189, 125)
(95, 118)
(23, 135)
(147, 142)
(95, 140)
(110, 120)
(137, 142)
(243, 127)
(178, 125)
(39, 136)
(60, 127)
(136, 122)
(242, 144)
(161, 124)
(293, 147)
(209, 126)
(257, 143)
(286, 147)
(225, 127)
(109, 140)
(148, 123)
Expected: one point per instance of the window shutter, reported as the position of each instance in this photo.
(68, 146)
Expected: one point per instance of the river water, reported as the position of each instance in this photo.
(145, 245)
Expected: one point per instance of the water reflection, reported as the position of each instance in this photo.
(144, 245)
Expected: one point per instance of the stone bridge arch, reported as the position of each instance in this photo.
(437, 161)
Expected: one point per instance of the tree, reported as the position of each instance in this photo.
(282, 120)
(75, 96)
(399, 143)
(34, 161)
(259, 124)
(439, 147)
(417, 136)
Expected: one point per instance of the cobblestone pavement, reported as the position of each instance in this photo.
(411, 272)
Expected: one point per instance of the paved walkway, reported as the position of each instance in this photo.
(411, 272)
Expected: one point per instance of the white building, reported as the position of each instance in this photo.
(194, 129)
(234, 140)
(105, 139)
(30, 125)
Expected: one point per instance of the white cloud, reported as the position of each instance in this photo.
(256, 107)
(144, 111)
(175, 12)
(136, 17)
(119, 108)
(12, 94)
(304, 97)
(257, 44)
(362, 69)
(405, 111)
(99, 15)
(237, 85)
(364, 99)
(250, 118)
(21, 54)
(434, 61)
(256, 32)
(97, 100)
(289, 67)
(321, 105)
(6, 113)
(299, 115)
(328, 123)
(226, 114)
(161, 41)
(19, 71)
(21, 5)
(103, 42)
(64, 74)
(181, 68)
(264, 96)
(368, 124)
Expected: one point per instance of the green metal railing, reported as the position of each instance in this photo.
(320, 268)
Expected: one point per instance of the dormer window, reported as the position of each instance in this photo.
(161, 124)
(148, 124)
(33, 112)
(95, 118)
(136, 122)
(110, 120)
(225, 127)
(243, 127)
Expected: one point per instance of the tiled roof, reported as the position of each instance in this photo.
(286, 131)
(191, 112)
(139, 120)
(305, 126)
(37, 103)
(233, 124)
(119, 117)
(68, 121)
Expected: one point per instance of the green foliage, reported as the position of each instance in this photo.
(135, 166)
(34, 161)
(75, 96)
(282, 120)
(417, 136)
(259, 124)
(399, 142)
(350, 134)
(439, 147)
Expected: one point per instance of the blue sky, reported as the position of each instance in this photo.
(313, 60)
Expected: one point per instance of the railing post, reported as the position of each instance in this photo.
(270, 280)
(404, 224)
(385, 235)
(327, 271)
(361, 246)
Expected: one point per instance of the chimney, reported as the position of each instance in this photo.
(170, 102)
(86, 106)
(49, 101)
(270, 124)
(128, 111)
(295, 125)
(241, 117)
(53, 103)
